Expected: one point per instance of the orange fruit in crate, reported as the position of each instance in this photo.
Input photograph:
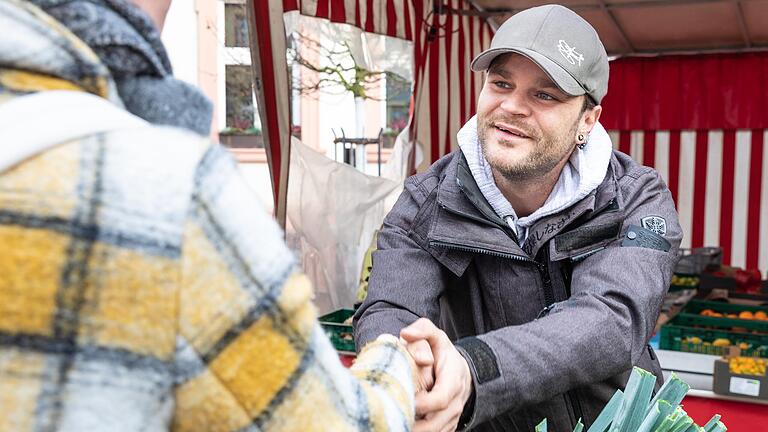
(707, 312)
(721, 342)
(746, 315)
(761, 315)
(747, 366)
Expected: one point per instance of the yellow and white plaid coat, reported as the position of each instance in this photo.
(142, 287)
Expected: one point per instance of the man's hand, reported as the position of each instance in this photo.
(440, 408)
(421, 353)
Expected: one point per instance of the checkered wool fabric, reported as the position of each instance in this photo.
(143, 288)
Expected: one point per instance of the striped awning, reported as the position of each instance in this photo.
(719, 181)
(701, 121)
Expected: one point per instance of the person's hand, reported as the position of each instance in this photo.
(421, 353)
(440, 408)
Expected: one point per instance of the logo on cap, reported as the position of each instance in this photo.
(569, 53)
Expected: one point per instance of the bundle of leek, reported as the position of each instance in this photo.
(633, 410)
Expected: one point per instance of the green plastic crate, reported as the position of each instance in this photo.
(339, 333)
(677, 333)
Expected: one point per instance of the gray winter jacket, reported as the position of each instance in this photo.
(550, 329)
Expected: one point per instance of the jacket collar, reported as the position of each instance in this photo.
(465, 218)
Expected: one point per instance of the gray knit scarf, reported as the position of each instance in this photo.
(128, 43)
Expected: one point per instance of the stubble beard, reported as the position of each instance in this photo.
(546, 154)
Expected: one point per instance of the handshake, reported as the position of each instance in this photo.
(444, 381)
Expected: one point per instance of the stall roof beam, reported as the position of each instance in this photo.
(642, 27)
(742, 23)
(616, 24)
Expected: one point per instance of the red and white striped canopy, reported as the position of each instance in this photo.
(699, 120)
(719, 181)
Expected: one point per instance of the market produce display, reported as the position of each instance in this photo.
(709, 327)
(633, 410)
(747, 366)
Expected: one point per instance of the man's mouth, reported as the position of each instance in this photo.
(511, 130)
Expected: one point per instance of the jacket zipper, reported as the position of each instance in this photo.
(484, 251)
(507, 230)
(549, 295)
(573, 400)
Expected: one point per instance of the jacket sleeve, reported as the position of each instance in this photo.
(250, 352)
(406, 281)
(599, 332)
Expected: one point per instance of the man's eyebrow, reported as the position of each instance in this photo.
(499, 70)
(547, 83)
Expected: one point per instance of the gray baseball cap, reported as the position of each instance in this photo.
(562, 43)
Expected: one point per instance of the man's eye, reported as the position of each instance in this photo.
(545, 96)
(502, 84)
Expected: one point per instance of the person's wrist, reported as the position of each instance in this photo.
(468, 383)
(468, 397)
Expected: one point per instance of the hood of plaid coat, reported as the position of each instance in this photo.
(38, 53)
(106, 47)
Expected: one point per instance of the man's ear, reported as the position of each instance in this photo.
(590, 118)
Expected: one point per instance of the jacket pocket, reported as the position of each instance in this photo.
(581, 242)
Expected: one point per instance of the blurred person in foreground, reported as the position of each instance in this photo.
(143, 287)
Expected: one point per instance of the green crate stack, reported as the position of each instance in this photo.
(750, 335)
(339, 333)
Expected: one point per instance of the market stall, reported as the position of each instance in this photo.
(687, 96)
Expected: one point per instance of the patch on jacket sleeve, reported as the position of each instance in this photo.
(638, 236)
(656, 224)
(482, 357)
(586, 236)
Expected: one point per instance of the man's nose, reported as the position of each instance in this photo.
(514, 103)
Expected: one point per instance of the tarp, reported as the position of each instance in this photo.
(333, 212)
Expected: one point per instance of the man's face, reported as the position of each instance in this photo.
(525, 123)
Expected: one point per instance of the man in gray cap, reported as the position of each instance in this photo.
(542, 253)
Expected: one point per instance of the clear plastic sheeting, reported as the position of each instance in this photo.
(333, 211)
(371, 51)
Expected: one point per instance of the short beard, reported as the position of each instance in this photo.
(544, 157)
